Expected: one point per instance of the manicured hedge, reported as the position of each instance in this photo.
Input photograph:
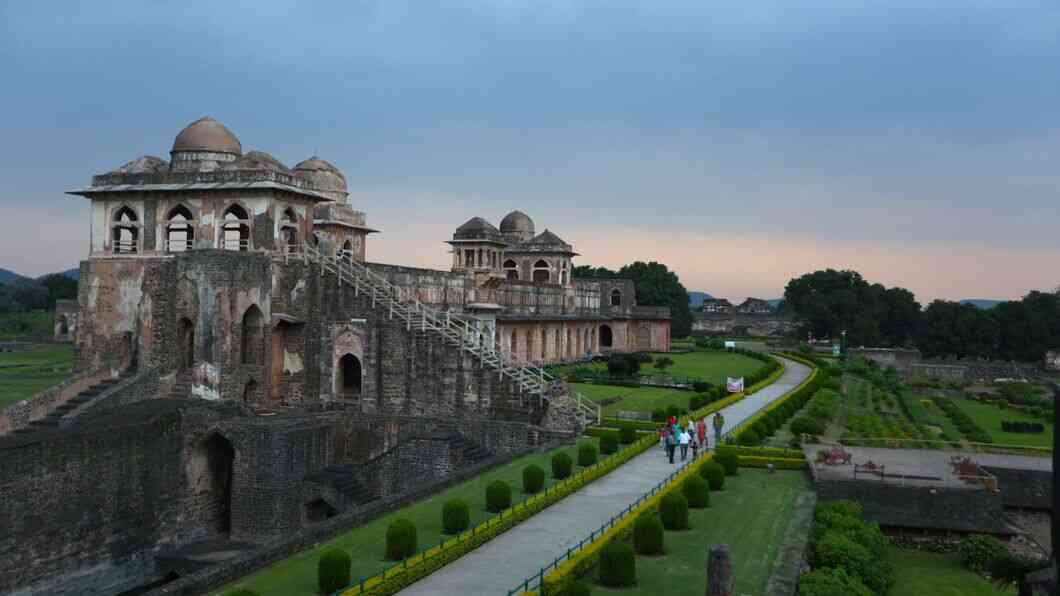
(714, 474)
(673, 511)
(648, 535)
(533, 479)
(498, 496)
(618, 565)
(609, 443)
(842, 540)
(561, 466)
(241, 592)
(728, 460)
(586, 455)
(1019, 426)
(400, 539)
(333, 570)
(456, 517)
(779, 463)
(696, 492)
(627, 435)
(964, 423)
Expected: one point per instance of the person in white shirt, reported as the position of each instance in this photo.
(684, 439)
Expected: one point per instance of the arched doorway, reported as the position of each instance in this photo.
(213, 463)
(64, 326)
(249, 391)
(235, 229)
(185, 343)
(542, 273)
(279, 349)
(180, 235)
(605, 337)
(125, 232)
(349, 382)
(511, 269)
(253, 336)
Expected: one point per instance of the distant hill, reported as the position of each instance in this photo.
(981, 304)
(74, 273)
(6, 276)
(775, 303)
(695, 299)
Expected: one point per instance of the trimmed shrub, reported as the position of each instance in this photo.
(673, 411)
(841, 507)
(714, 474)
(673, 510)
(804, 425)
(609, 443)
(333, 570)
(978, 552)
(533, 479)
(626, 435)
(831, 582)
(456, 517)
(696, 492)
(729, 460)
(618, 565)
(658, 415)
(498, 496)
(561, 466)
(586, 454)
(648, 535)
(400, 539)
(840, 552)
(700, 386)
(749, 438)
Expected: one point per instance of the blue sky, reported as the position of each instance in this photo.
(742, 144)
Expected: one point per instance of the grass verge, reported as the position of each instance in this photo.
(918, 573)
(23, 374)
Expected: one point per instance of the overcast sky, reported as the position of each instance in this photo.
(741, 143)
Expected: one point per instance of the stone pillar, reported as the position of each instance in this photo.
(719, 571)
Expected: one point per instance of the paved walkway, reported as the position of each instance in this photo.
(500, 564)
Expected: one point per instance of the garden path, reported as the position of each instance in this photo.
(497, 566)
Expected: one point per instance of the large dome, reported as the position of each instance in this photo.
(207, 135)
(322, 174)
(517, 221)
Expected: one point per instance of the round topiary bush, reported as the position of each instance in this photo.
(696, 492)
(561, 466)
(714, 474)
(533, 479)
(498, 496)
(618, 565)
(456, 517)
(831, 582)
(749, 438)
(333, 570)
(586, 454)
(609, 443)
(728, 460)
(400, 539)
(648, 535)
(627, 435)
(673, 510)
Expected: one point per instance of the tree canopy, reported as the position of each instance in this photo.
(655, 285)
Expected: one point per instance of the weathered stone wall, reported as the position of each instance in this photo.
(20, 414)
(757, 325)
(964, 509)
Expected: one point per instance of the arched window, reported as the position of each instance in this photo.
(253, 348)
(558, 338)
(570, 346)
(543, 343)
(180, 234)
(289, 230)
(513, 347)
(563, 277)
(186, 348)
(605, 337)
(347, 251)
(542, 273)
(616, 297)
(349, 384)
(511, 269)
(235, 231)
(126, 231)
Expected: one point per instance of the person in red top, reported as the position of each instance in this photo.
(671, 421)
(701, 430)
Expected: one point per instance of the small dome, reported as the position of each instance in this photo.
(207, 135)
(257, 160)
(322, 174)
(476, 228)
(146, 164)
(517, 221)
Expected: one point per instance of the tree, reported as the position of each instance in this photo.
(60, 287)
(958, 330)
(24, 295)
(664, 363)
(655, 285)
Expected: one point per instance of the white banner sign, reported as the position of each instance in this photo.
(730, 345)
(734, 385)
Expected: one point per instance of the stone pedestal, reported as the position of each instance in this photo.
(719, 571)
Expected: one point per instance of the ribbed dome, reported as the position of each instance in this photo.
(517, 221)
(322, 174)
(208, 135)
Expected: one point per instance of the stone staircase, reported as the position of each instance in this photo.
(54, 418)
(573, 411)
(181, 386)
(471, 451)
(343, 478)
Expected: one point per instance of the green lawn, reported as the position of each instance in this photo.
(297, 575)
(712, 367)
(990, 416)
(22, 374)
(16, 325)
(919, 573)
(750, 515)
(634, 399)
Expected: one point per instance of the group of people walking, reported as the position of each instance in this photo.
(693, 434)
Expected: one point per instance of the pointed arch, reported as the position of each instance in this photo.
(511, 269)
(616, 297)
(606, 337)
(349, 376)
(542, 272)
(253, 336)
(235, 228)
(180, 229)
(186, 343)
(125, 231)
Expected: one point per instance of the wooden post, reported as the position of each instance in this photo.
(719, 571)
